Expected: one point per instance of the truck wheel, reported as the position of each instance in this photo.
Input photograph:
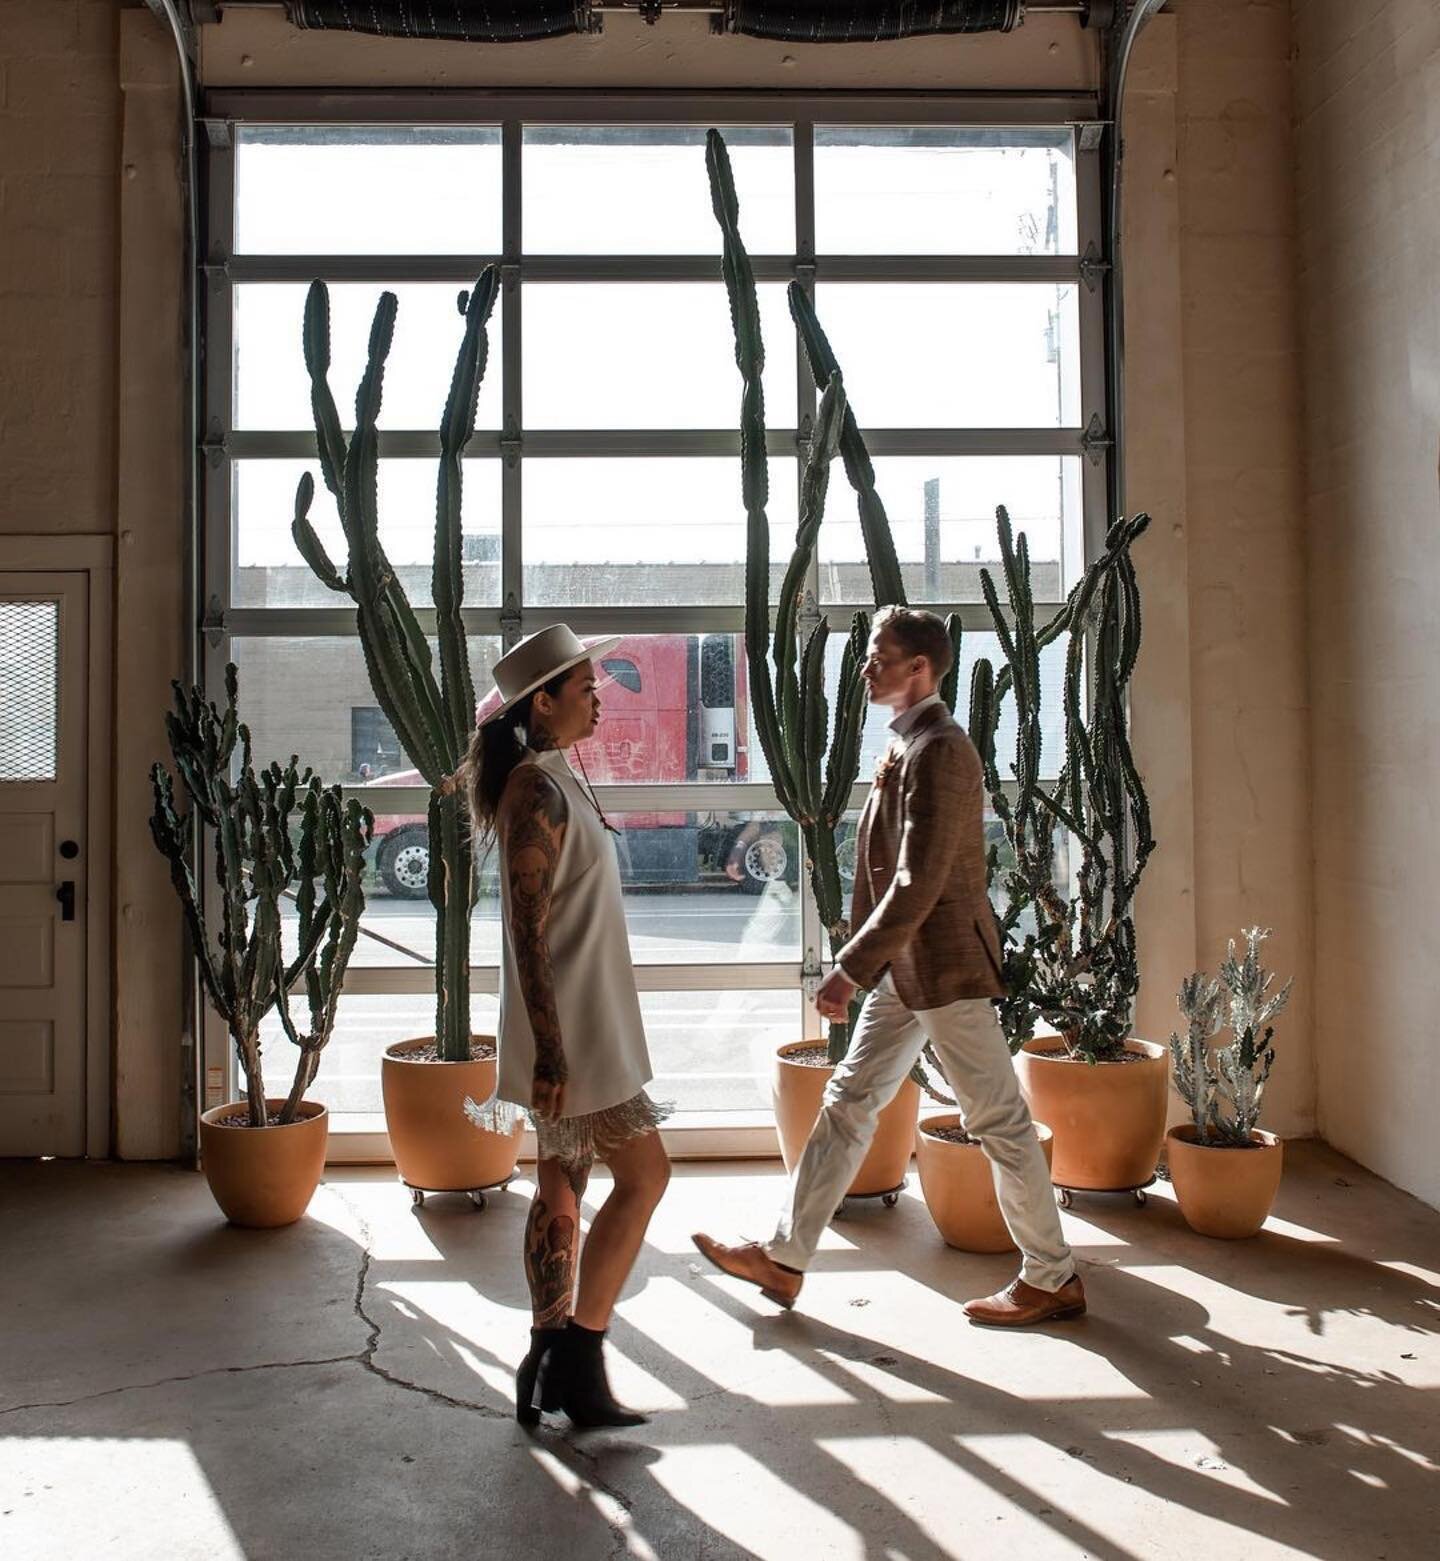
(766, 861)
(404, 863)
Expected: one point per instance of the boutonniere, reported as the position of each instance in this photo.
(889, 763)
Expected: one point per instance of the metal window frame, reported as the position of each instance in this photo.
(222, 444)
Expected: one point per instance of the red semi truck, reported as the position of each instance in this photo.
(674, 710)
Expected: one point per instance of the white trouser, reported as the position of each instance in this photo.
(888, 1039)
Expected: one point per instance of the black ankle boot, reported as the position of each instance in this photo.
(573, 1379)
(542, 1341)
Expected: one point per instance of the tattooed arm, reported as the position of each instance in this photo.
(532, 830)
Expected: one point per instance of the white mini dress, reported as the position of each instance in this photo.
(601, 1030)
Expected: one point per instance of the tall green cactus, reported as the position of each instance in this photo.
(433, 718)
(1078, 969)
(243, 969)
(812, 766)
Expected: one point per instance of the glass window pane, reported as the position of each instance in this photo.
(29, 689)
(272, 389)
(268, 569)
(707, 888)
(349, 1077)
(643, 190)
(700, 888)
(712, 1051)
(654, 532)
(647, 355)
(969, 190)
(715, 1051)
(299, 695)
(367, 190)
(956, 355)
(673, 709)
(942, 516)
(973, 645)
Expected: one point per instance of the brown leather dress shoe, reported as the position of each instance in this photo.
(754, 1264)
(1019, 1304)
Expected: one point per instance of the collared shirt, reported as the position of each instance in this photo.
(904, 723)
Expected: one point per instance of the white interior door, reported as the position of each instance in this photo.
(43, 857)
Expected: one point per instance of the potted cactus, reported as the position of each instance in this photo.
(1224, 1168)
(1069, 948)
(813, 766)
(425, 1080)
(954, 1174)
(277, 833)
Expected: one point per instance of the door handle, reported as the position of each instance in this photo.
(66, 896)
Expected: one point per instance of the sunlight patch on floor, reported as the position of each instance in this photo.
(47, 1519)
(752, 1504)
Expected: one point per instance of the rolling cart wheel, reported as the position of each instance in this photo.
(417, 1198)
(1064, 1197)
(477, 1200)
(890, 1199)
(1140, 1199)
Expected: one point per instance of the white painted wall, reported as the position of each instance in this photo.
(1367, 131)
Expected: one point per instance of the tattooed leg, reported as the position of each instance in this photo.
(552, 1238)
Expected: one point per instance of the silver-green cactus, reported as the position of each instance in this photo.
(1078, 969)
(1242, 1070)
(1203, 1005)
(812, 765)
(433, 717)
(254, 817)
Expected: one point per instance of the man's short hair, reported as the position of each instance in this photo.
(918, 633)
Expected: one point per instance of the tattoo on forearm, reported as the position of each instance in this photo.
(533, 824)
(550, 1263)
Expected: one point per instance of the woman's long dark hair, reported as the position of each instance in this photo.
(495, 749)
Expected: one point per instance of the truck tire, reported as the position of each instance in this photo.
(404, 863)
(767, 859)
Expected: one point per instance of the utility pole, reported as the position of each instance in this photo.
(932, 539)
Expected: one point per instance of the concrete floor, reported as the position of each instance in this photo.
(171, 1387)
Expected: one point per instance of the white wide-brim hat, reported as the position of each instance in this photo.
(537, 659)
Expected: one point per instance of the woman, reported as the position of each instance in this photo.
(572, 1046)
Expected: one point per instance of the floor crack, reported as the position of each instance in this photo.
(619, 1527)
(189, 1376)
(365, 1358)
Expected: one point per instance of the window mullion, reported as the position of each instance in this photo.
(512, 546)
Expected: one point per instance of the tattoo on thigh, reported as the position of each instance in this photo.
(577, 1174)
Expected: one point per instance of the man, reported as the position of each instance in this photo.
(924, 945)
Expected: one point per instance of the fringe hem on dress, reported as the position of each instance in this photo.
(576, 1140)
(495, 1116)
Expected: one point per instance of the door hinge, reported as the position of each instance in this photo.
(1095, 441)
(212, 625)
(511, 622)
(1093, 266)
(811, 975)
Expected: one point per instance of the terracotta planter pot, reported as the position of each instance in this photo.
(263, 1176)
(1223, 1191)
(436, 1146)
(798, 1089)
(1108, 1118)
(960, 1189)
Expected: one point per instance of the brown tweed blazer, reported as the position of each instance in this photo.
(920, 908)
